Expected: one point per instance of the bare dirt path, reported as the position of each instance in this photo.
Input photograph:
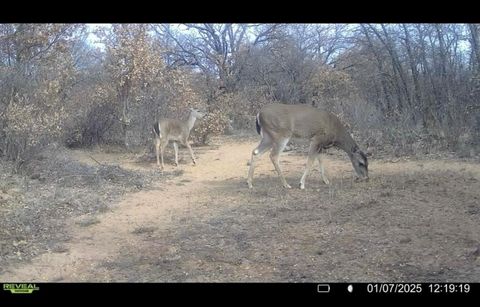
(414, 219)
(141, 212)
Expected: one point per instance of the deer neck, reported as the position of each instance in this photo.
(191, 121)
(348, 144)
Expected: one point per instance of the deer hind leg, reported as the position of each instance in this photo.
(175, 147)
(265, 144)
(278, 147)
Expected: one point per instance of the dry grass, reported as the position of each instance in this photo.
(55, 186)
(420, 226)
(415, 220)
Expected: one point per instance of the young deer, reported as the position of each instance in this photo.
(175, 130)
(277, 123)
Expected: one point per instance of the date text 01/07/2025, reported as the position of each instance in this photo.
(418, 288)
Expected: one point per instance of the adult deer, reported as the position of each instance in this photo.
(277, 123)
(167, 129)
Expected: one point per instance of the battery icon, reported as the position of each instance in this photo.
(323, 288)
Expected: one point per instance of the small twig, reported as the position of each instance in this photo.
(95, 160)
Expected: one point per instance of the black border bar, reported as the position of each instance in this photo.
(147, 292)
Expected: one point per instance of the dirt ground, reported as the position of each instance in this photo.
(414, 220)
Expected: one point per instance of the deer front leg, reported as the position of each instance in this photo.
(322, 171)
(308, 168)
(175, 147)
(191, 152)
